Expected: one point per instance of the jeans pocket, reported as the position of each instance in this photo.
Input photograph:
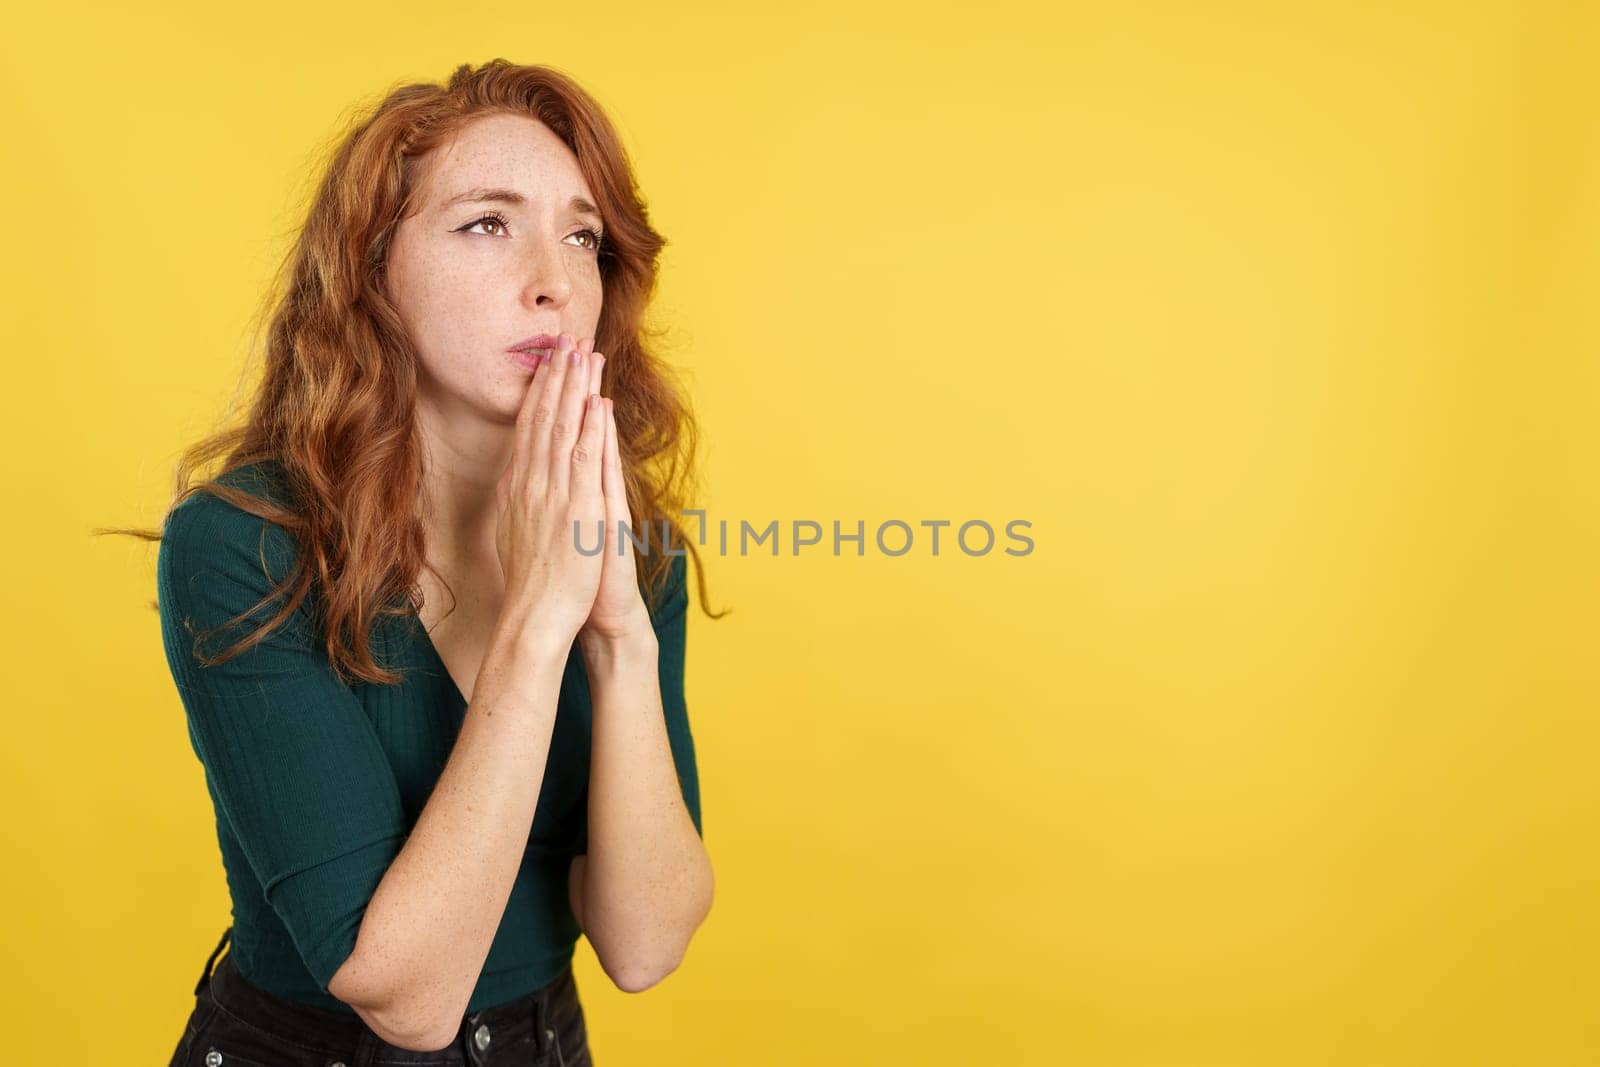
(569, 1042)
(211, 1056)
(191, 1026)
(224, 1040)
(552, 1043)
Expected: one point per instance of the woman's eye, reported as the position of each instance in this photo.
(489, 220)
(499, 221)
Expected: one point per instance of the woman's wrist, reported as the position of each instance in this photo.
(531, 644)
(609, 650)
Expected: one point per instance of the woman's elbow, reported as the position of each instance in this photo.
(388, 1011)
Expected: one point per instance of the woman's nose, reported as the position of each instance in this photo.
(546, 278)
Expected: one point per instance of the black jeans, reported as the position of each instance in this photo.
(237, 1024)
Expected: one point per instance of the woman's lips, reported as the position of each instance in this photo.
(529, 357)
(528, 350)
(542, 340)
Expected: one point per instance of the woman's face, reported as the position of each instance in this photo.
(495, 252)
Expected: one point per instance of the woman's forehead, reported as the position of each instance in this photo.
(506, 152)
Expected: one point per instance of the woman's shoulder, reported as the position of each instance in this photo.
(264, 479)
(207, 529)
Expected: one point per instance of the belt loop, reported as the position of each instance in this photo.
(205, 975)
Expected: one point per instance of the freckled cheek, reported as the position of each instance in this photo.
(452, 297)
(463, 335)
(592, 294)
(447, 275)
(444, 309)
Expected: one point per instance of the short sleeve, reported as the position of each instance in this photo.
(292, 760)
(668, 620)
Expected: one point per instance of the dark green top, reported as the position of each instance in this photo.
(316, 782)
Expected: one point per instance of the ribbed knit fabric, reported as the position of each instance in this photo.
(316, 783)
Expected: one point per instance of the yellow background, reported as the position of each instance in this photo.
(1278, 324)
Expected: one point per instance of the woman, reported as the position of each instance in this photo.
(443, 735)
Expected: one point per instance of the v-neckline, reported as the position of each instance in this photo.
(444, 668)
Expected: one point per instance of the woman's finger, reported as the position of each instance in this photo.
(590, 451)
(568, 420)
(599, 362)
(513, 477)
(596, 415)
(614, 486)
(537, 452)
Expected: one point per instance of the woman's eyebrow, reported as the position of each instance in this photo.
(511, 196)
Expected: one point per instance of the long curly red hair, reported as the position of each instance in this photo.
(335, 406)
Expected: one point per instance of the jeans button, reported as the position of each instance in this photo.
(480, 1037)
(213, 1058)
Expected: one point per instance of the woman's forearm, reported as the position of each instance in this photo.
(646, 881)
(429, 925)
